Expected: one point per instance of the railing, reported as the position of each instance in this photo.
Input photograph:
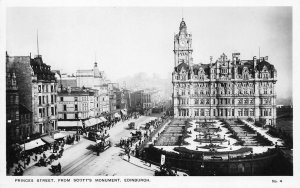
(142, 146)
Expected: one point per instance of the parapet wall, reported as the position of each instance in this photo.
(195, 165)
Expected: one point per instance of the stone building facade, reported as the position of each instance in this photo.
(18, 117)
(73, 104)
(104, 98)
(37, 88)
(224, 88)
(95, 79)
(140, 101)
(77, 103)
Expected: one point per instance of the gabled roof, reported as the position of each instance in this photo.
(41, 70)
(260, 65)
(180, 66)
(248, 64)
(205, 67)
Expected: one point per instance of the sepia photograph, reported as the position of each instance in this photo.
(144, 91)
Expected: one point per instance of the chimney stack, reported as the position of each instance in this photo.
(266, 58)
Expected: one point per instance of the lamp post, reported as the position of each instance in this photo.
(8, 129)
(25, 150)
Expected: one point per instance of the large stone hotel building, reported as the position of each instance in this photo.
(223, 89)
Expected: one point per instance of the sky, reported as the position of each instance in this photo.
(127, 40)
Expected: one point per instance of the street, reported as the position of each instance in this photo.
(78, 160)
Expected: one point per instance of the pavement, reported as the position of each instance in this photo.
(79, 160)
(32, 162)
(142, 164)
(263, 132)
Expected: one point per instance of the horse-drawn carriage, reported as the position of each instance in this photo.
(102, 143)
(164, 171)
(94, 136)
(136, 135)
(132, 125)
(147, 125)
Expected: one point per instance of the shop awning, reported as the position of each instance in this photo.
(33, 144)
(93, 121)
(69, 124)
(87, 123)
(103, 119)
(98, 120)
(48, 139)
(59, 135)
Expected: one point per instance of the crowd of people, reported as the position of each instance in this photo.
(133, 145)
(40, 156)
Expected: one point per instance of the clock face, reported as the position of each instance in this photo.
(182, 43)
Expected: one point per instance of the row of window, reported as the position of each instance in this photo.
(225, 85)
(13, 115)
(225, 112)
(226, 92)
(266, 101)
(73, 116)
(44, 112)
(21, 132)
(224, 101)
(213, 76)
(46, 88)
(75, 107)
(44, 99)
(12, 99)
(83, 98)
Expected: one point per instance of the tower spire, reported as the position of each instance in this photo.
(37, 42)
(182, 13)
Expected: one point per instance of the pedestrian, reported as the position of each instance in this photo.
(35, 157)
(27, 160)
(128, 156)
(59, 167)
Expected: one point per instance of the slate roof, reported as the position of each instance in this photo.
(179, 67)
(41, 70)
(260, 65)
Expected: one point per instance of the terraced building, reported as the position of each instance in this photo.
(224, 88)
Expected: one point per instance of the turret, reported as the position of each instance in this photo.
(182, 27)
(254, 66)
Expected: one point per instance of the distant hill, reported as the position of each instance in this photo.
(284, 101)
(144, 81)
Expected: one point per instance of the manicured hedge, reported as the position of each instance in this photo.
(188, 151)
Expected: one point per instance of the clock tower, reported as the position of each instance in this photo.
(183, 46)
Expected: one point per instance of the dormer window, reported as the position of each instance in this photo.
(265, 75)
(223, 71)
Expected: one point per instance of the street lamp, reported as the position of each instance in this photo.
(25, 150)
(8, 128)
